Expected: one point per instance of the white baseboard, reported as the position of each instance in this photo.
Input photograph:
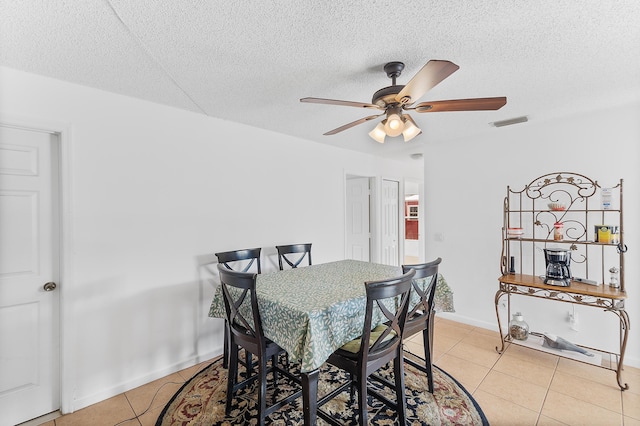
(469, 321)
(139, 381)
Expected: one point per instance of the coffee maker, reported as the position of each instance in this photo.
(557, 262)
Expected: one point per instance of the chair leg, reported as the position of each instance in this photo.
(262, 390)
(398, 372)
(426, 341)
(352, 388)
(362, 400)
(232, 375)
(249, 360)
(225, 356)
(275, 375)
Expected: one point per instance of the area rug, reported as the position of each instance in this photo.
(201, 401)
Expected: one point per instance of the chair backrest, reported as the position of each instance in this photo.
(241, 307)
(293, 254)
(391, 297)
(232, 260)
(423, 291)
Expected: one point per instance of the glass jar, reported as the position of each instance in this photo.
(557, 231)
(614, 280)
(518, 328)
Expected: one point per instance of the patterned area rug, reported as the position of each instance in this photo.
(201, 401)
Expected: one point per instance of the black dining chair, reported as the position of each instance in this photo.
(421, 315)
(293, 254)
(241, 260)
(238, 260)
(239, 288)
(375, 348)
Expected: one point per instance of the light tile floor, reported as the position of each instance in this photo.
(519, 387)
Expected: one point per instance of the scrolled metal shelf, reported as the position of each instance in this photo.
(563, 296)
(573, 223)
(546, 240)
(572, 210)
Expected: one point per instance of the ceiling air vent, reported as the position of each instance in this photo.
(510, 121)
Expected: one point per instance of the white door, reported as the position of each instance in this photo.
(29, 309)
(358, 234)
(389, 222)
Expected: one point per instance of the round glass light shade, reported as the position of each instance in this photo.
(378, 134)
(394, 125)
(410, 129)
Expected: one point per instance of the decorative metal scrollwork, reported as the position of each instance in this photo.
(543, 187)
(580, 299)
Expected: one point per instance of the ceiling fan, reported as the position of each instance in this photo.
(395, 99)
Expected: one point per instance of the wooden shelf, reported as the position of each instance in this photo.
(575, 287)
(546, 240)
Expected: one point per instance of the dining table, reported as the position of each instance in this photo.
(311, 311)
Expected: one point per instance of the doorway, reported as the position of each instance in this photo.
(413, 213)
(372, 226)
(29, 273)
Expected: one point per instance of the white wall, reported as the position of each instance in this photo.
(154, 192)
(465, 184)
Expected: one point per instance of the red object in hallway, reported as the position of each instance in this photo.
(411, 220)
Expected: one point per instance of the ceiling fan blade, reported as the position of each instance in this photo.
(476, 104)
(338, 102)
(353, 123)
(426, 79)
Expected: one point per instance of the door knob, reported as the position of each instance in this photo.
(50, 286)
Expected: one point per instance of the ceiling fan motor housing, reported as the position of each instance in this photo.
(386, 96)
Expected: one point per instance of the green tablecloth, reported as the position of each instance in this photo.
(443, 299)
(313, 310)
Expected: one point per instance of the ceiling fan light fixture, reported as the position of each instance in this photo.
(378, 134)
(411, 130)
(394, 124)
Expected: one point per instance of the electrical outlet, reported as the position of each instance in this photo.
(573, 322)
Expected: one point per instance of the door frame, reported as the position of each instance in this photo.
(61, 156)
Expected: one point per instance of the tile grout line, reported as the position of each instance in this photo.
(136, 415)
(546, 394)
(547, 387)
(491, 369)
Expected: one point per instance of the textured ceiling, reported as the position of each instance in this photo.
(251, 62)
